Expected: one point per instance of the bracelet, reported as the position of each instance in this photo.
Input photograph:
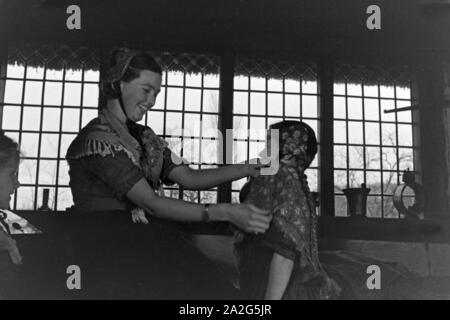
(205, 213)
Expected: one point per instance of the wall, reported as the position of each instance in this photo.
(425, 259)
(446, 118)
(243, 26)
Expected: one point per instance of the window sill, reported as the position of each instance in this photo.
(375, 229)
(341, 228)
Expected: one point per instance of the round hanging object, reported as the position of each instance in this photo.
(408, 197)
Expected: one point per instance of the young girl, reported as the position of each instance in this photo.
(283, 263)
(9, 164)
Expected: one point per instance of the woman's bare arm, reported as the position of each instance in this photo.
(207, 178)
(279, 275)
(244, 216)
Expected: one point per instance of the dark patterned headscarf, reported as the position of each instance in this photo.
(297, 143)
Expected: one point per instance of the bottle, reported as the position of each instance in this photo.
(45, 206)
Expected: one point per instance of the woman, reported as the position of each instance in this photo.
(9, 253)
(9, 164)
(284, 263)
(117, 164)
(292, 269)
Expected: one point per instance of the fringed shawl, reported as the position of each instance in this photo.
(106, 135)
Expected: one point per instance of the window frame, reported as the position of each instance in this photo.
(178, 190)
(58, 159)
(259, 61)
(414, 147)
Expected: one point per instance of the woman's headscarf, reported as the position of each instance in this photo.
(297, 144)
(118, 66)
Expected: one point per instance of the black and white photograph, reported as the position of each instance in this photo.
(242, 151)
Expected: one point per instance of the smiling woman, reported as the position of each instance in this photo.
(117, 164)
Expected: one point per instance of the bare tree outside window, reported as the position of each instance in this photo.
(371, 146)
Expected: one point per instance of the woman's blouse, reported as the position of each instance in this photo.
(103, 172)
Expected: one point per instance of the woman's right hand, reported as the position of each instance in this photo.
(249, 218)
